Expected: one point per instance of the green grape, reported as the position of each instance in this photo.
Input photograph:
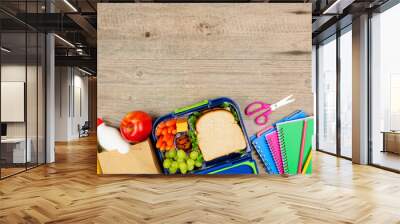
(193, 155)
(172, 170)
(198, 164)
(179, 160)
(181, 154)
(168, 155)
(174, 164)
(167, 163)
(172, 153)
(190, 167)
(190, 162)
(183, 167)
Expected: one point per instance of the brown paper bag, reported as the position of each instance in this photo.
(140, 159)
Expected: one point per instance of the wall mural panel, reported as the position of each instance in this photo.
(192, 69)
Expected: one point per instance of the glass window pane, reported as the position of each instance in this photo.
(327, 96)
(385, 84)
(346, 93)
(31, 100)
(13, 87)
(41, 99)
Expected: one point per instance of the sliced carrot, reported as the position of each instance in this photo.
(164, 131)
(158, 131)
(170, 144)
(161, 125)
(174, 131)
(171, 123)
(169, 137)
(163, 146)
(170, 141)
(158, 144)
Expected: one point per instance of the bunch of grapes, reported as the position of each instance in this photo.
(179, 160)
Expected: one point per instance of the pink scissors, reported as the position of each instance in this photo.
(258, 106)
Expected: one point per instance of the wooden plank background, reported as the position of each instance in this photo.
(159, 57)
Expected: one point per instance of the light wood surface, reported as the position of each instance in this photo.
(159, 57)
(69, 191)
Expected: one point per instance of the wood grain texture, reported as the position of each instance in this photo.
(159, 87)
(69, 191)
(159, 57)
(204, 31)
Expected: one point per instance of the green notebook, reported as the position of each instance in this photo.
(290, 136)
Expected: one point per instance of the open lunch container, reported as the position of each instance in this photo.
(240, 162)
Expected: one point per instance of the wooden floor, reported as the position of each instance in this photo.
(387, 159)
(69, 191)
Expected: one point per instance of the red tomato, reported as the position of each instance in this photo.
(136, 126)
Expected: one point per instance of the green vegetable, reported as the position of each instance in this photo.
(183, 167)
(181, 154)
(172, 170)
(167, 163)
(226, 105)
(229, 107)
(190, 162)
(172, 153)
(198, 164)
(190, 167)
(194, 155)
(235, 115)
(192, 127)
(174, 164)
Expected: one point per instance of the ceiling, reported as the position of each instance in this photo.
(76, 22)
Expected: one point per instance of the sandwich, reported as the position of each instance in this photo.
(219, 134)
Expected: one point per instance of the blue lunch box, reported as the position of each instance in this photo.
(234, 163)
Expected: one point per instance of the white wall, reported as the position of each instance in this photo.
(33, 127)
(16, 73)
(70, 84)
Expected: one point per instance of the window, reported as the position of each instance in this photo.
(385, 89)
(346, 92)
(22, 77)
(327, 95)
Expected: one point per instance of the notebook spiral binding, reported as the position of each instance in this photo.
(267, 167)
(271, 145)
(283, 149)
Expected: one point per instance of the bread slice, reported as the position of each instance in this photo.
(219, 134)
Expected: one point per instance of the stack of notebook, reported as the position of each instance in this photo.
(285, 148)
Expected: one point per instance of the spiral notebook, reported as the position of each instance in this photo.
(275, 148)
(290, 138)
(263, 150)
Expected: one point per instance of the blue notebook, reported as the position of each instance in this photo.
(261, 145)
(263, 150)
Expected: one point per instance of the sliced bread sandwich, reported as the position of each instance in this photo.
(219, 134)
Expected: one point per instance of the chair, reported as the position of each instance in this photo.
(84, 130)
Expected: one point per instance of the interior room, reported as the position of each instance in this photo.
(63, 76)
(22, 101)
(384, 90)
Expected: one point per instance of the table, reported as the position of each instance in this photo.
(391, 141)
(18, 151)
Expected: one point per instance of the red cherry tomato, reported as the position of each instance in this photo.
(136, 126)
